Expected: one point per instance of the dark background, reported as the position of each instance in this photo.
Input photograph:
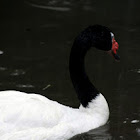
(35, 40)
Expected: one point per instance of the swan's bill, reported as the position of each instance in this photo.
(114, 49)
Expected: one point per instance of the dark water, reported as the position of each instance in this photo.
(35, 41)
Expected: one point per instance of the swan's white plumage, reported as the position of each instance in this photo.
(34, 117)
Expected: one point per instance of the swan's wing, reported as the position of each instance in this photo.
(20, 111)
(61, 131)
(39, 134)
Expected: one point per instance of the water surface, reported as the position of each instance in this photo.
(36, 38)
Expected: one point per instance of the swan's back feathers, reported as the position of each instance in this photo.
(32, 116)
(23, 111)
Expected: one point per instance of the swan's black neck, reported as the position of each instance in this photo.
(84, 88)
(99, 37)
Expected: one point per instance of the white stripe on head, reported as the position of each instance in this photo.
(112, 35)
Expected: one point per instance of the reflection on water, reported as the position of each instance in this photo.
(136, 70)
(135, 121)
(101, 133)
(18, 72)
(64, 9)
(24, 86)
(3, 68)
(61, 5)
(1, 52)
(138, 131)
(97, 134)
(36, 37)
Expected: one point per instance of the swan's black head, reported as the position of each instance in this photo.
(101, 38)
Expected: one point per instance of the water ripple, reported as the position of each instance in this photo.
(17, 72)
(62, 5)
(55, 8)
(25, 86)
(135, 70)
(138, 131)
(135, 121)
(1, 52)
(3, 68)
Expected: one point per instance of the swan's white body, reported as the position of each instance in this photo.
(34, 117)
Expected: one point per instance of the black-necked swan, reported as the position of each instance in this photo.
(34, 117)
